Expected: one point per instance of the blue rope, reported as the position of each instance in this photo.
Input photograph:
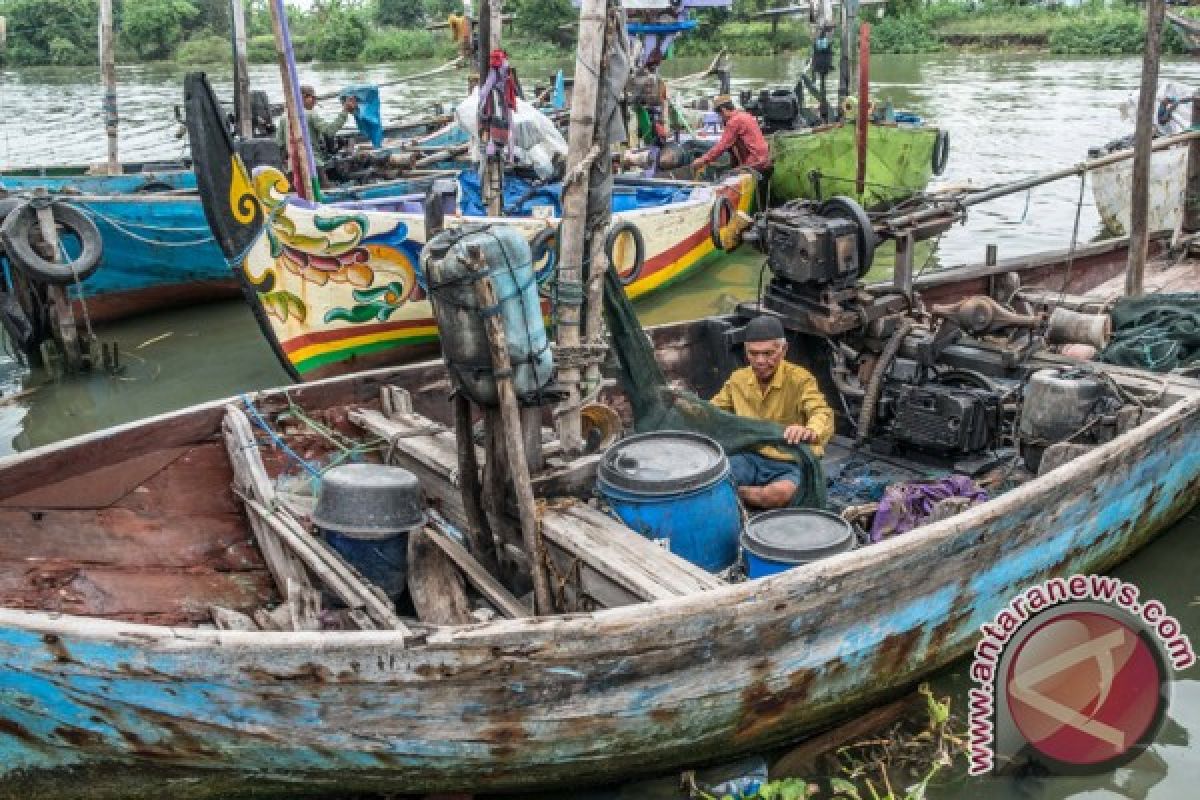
(282, 445)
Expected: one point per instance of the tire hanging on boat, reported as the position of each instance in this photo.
(639, 249)
(941, 152)
(722, 215)
(22, 221)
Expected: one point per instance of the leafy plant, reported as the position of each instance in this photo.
(907, 34)
(205, 49)
(401, 45)
(153, 28)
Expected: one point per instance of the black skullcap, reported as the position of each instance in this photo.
(764, 329)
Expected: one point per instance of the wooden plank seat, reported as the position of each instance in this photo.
(596, 560)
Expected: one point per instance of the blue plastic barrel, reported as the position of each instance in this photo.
(778, 540)
(365, 512)
(674, 487)
(384, 561)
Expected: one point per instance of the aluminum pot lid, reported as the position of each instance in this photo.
(663, 463)
(798, 535)
(368, 499)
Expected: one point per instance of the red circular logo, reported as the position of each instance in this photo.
(1086, 689)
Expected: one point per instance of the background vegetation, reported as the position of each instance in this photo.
(63, 32)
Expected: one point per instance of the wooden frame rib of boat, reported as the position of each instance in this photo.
(822, 163)
(114, 545)
(340, 293)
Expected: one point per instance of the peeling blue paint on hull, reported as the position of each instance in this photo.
(87, 704)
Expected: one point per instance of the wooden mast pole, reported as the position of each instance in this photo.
(573, 228)
(241, 72)
(864, 101)
(1139, 204)
(490, 29)
(108, 69)
(299, 152)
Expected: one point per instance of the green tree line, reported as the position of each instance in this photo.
(63, 32)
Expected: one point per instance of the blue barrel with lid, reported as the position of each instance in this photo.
(778, 540)
(674, 487)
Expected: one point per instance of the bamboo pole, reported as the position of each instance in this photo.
(108, 68)
(940, 209)
(864, 100)
(299, 148)
(1139, 204)
(241, 71)
(510, 424)
(573, 229)
(489, 40)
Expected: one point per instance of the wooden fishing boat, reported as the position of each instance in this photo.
(115, 547)
(821, 163)
(336, 292)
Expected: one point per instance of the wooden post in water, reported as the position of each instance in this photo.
(862, 129)
(108, 69)
(299, 155)
(1191, 198)
(573, 229)
(241, 73)
(510, 424)
(1139, 204)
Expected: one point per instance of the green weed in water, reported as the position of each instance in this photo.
(883, 767)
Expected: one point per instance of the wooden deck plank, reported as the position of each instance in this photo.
(120, 537)
(615, 566)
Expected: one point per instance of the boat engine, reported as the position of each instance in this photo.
(778, 109)
(817, 254)
(944, 420)
(1066, 405)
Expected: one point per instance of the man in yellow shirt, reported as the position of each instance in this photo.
(773, 389)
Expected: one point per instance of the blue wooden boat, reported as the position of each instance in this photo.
(158, 251)
(116, 547)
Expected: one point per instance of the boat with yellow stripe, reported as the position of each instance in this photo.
(339, 288)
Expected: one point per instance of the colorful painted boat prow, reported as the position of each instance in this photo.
(339, 288)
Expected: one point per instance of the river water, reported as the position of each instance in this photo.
(1009, 116)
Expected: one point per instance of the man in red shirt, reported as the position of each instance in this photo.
(742, 135)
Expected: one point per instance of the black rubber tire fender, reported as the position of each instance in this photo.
(154, 187)
(941, 151)
(639, 248)
(722, 208)
(21, 222)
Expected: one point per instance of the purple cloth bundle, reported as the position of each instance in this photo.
(905, 506)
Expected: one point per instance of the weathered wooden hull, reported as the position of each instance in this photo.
(92, 706)
(325, 319)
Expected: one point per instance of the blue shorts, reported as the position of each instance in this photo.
(752, 469)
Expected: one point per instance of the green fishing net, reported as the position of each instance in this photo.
(658, 407)
(1158, 332)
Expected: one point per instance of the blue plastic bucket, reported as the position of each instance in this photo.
(775, 541)
(384, 561)
(674, 487)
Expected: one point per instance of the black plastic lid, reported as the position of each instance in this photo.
(797, 535)
(663, 463)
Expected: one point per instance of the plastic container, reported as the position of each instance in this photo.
(365, 512)
(460, 322)
(674, 487)
(778, 540)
